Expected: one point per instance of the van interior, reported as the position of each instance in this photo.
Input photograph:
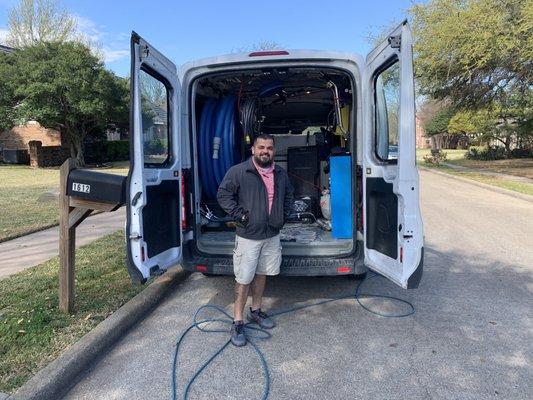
(309, 112)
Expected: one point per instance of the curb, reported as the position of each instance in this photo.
(39, 229)
(511, 193)
(59, 376)
(19, 235)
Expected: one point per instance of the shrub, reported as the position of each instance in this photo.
(486, 153)
(521, 153)
(435, 157)
(156, 147)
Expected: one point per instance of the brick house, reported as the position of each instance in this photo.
(19, 137)
(33, 139)
(43, 147)
(422, 142)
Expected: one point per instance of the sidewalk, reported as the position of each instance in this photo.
(488, 172)
(27, 251)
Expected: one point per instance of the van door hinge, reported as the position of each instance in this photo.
(135, 236)
(395, 41)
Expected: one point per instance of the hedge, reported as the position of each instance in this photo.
(105, 151)
(496, 153)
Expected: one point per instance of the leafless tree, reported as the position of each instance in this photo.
(262, 45)
(37, 21)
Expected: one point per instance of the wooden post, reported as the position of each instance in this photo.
(72, 211)
(67, 242)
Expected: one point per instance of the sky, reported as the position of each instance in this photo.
(193, 29)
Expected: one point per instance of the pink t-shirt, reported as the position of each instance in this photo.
(267, 174)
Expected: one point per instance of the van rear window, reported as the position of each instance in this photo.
(155, 117)
(387, 108)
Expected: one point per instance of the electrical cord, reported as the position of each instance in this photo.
(304, 181)
(211, 216)
(247, 117)
(262, 334)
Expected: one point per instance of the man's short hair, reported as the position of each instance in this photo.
(264, 136)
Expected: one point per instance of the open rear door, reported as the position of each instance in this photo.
(393, 223)
(153, 226)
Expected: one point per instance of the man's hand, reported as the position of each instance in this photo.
(243, 220)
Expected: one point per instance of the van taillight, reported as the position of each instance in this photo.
(184, 222)
(343, 270)
(269, 53)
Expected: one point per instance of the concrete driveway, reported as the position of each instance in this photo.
(470, 338)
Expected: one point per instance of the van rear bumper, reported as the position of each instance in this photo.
(290, 265)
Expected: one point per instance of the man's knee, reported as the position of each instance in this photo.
(244, 279)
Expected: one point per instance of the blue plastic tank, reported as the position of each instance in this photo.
(341, 196)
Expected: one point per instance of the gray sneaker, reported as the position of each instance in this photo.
(261, 319)
(238, 338)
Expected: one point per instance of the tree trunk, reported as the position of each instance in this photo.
(508, 145)
(76, 149)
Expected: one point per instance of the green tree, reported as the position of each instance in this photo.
(474, 123)
(64, 86)
(439, 123)
(474, 52)
(39, 21)
(495, 125)
(478, 56)
(7, 111)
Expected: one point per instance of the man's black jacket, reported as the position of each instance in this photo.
(243, 191)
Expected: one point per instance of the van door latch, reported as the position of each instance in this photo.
(135, 236)
(395, 41)
(135, 198)
(407, 236)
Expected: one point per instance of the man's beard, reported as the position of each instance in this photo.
(261, 163)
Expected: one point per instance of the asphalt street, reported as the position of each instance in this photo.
(471, 336)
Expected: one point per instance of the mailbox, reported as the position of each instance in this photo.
(96, 186)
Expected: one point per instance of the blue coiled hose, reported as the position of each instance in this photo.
(255, 334)
(206, 171)
(229, 135)
(217, 125)
(221, 135)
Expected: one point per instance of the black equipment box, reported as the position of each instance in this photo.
(97, 186)
(303, 169)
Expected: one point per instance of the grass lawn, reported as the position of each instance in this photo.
(521, 187)
(29, 197)
(32, 330)
(452, 155)
(518, 167)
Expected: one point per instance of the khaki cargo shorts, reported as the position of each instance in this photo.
(250, 257)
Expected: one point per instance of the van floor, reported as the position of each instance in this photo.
(296, 239)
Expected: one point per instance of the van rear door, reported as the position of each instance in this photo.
(153, 226)
(393, 223)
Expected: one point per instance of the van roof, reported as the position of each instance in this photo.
(237, 58)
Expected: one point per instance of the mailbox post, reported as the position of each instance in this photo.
(81, 193)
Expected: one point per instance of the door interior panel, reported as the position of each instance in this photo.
(161, 217)
(382, 217)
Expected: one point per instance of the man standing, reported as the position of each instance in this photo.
(258, 195)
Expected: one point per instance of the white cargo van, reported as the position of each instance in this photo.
(344, 130)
